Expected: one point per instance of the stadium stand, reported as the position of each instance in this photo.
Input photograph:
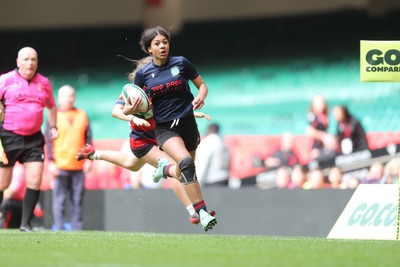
(262, 76)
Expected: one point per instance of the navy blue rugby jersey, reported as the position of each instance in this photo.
(168, 88)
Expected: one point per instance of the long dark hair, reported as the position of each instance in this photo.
(139, 64)
(145, 42)
(149, 34)
(346, 113)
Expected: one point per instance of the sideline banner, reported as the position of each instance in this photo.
(380, 61)
(372, 213)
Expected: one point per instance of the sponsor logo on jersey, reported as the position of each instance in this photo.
(174, 71)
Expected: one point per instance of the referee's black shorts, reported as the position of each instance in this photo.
(186, 128)
(22, 148)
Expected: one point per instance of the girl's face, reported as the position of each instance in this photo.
(159, 49)
(318, 105)
(338, 113)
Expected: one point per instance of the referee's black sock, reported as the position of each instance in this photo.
(28, 205)
(1, 196)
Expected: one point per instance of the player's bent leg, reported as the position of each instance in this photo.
(193, 190)
(119, 158)
(175, 148)
(188, 170)
(122, 159)
(179, 191)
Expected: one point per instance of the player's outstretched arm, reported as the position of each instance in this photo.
(202, 115)
(198, 101)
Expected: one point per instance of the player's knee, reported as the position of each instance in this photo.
(188, 170)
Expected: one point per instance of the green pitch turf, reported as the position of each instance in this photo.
(149, 249)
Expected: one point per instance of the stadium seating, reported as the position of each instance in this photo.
(254, 105)
(243, 148)
(256, 99)
(255, 94)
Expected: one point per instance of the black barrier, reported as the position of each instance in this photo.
(249, 211)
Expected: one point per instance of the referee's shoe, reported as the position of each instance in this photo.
(26, 228)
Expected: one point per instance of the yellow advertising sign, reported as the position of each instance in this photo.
(380, 61)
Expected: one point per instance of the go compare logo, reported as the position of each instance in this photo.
(379, 61)
(371, 213)
(374, 215)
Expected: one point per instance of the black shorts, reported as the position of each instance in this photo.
(186, 128)
(142, 151)
(22, 148)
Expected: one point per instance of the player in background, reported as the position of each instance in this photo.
(133, 163)
(349, 131)
(143, 145)
(318, 124)
(24, 94)
(166, 81)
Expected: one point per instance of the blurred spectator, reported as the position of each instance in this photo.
(335, 178)
(298, 177)
(391, 171)
(74, 132)
(213, 159)
(351, 183)
(375, 174)
(285, 155)
(330, 149)
(282, 178)
(350, 133)
(316, 180)
(318, 123)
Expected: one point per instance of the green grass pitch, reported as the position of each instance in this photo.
(100, 249)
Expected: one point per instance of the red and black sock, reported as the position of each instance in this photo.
(201, 205)
(166, 170)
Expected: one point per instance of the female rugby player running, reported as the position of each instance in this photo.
(166, 81)
(143, 145)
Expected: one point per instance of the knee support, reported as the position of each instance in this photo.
(188, 170)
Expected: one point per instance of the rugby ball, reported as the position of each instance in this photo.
(133, 91)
